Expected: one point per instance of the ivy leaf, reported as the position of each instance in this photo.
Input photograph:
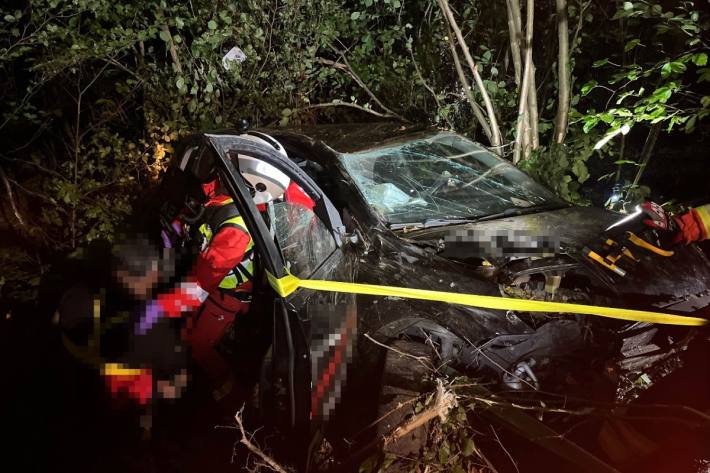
(589, 123)
(212, 25)
(673, 67)
(705, 101)
(600, 62)
(165, 36)
(700, 59)
(355, 15)
(628, 6)
(580, 170)
(632, 44)
(586, 88)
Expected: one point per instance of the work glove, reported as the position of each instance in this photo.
(665, 226)
(134, 384)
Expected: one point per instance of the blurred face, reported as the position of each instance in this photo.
(140, 287)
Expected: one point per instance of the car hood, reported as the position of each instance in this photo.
(569, 228)
(680, 282)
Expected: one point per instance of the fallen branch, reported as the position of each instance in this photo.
(269, 462)
(428, 87)
(424, 360)
(444, 401)
(344, 104)
(347, 68)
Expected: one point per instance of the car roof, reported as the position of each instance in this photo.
(349, 137)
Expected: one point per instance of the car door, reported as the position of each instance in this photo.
(314, 331)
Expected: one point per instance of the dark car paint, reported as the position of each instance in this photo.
(655, 281)
(660, 279)
(377, 255)
(301, 379)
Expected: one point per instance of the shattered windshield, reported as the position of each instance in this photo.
(445, 177)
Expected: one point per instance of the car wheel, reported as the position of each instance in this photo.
(404, 379)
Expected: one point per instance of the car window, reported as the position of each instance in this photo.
(304, 239)
(444, 176)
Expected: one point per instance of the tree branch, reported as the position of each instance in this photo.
(647, 151)
(495, 130)
(172, 49)
(477, 111)
(532, 111)
(515, 33)
(347, 68)
(444, 401)
(427, 87)
(11, 198)
(526, 80)
(563, 73)
(344, 104)
(270, 462)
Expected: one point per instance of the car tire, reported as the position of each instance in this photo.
(403, 380)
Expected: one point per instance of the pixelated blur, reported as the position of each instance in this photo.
(334, 336)
(502, 242)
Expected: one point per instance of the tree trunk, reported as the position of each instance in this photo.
(532, 111)
(563, 73)
(480, 117)
(646, 152)
(172, 49)
(514, 26)
(496, 139)
(525, 87)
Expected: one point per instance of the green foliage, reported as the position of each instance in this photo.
(95, 92)
(652, 82)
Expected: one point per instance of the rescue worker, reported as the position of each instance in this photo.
(692, 226)
(112, 377)
(219, 286)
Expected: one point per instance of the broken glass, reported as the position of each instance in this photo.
(304, 239)
(444, 176)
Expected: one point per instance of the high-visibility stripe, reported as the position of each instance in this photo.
(245, 267)
(119, 369)
(703, 214)
(289, 283)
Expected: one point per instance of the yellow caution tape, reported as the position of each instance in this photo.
(289, 283)
(118, 369)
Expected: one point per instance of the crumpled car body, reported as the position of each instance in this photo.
(421, 208)
(436, 211)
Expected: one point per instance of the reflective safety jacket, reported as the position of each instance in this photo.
(220, 217)
(224, 263)
(694, 225)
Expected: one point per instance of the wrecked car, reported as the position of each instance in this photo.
(423, 208)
